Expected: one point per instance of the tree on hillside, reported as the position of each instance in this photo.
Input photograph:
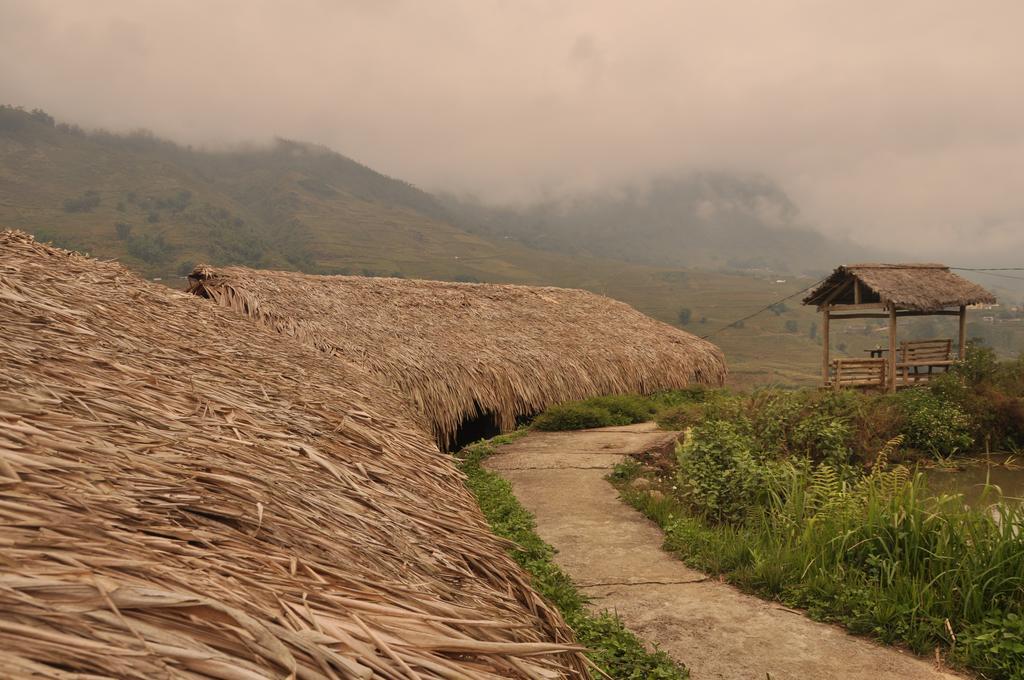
(684, 316)
(84, 203)
(812, 332)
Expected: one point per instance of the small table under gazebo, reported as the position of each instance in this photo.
(891, 291)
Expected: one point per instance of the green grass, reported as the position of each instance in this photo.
(880, 556)
(614, 649)
(607, 411)
(672, 409)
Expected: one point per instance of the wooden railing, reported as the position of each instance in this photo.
(920, 359)
(862, 373)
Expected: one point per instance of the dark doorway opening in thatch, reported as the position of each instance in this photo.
(483, 425)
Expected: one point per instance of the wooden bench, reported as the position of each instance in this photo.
(863, 373)
(917, 355)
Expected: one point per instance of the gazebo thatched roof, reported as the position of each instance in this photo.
(919, 287)
(184, 494)
(460, 350)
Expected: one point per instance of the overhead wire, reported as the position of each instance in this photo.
(764, 309)
(994, 271)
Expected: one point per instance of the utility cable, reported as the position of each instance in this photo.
(994, 271)
(765, 308)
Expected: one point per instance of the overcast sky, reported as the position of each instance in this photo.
(896, 122)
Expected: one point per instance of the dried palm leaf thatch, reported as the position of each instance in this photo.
(921, 287)
(185, 495)
(461, 350)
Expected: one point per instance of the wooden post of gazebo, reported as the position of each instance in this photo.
(892, 348)
(824, 344)
(961, 348)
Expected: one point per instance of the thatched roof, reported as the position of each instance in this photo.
(186, 495)
(461, 349)
(921, 287)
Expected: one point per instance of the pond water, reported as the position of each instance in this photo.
(1002, 470)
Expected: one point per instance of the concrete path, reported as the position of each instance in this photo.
(614, 554)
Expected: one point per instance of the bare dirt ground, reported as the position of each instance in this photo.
(614, 555)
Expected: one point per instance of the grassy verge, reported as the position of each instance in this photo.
(878, 555)
(672, 409)
(614, 649)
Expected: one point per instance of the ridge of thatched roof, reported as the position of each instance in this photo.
(184, 495)
(460, 350)
(925, 287)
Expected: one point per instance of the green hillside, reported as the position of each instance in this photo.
(161, 208)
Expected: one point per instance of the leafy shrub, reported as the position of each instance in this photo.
(694, 394)
(875, 420)
(679, 417)
(996, 646)
(823, 437)
(979, 365)
(84, 203)
(990, 393)
(148, 248)
(608, 411)
(718, 470)
(575, 416)
(175, 203)
(630, 408)
(772, 415)
(933, 424)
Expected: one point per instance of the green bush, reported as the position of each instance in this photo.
(679, 417)
(608, 411)
(149, 248)
(934, 424)
(996, 646)
(630, 408)
(694, 394)
(823, 437)
(990, 393)
(719, 472)
(84, 203)
(575, 416)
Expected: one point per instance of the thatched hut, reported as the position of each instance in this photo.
(891, 291)
(186, 495)
(470, 354)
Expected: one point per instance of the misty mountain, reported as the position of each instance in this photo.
(709, 220)
(162, 207)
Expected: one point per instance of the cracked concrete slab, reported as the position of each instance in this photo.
(555, 460)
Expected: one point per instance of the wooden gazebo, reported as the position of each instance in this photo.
(891, 291)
